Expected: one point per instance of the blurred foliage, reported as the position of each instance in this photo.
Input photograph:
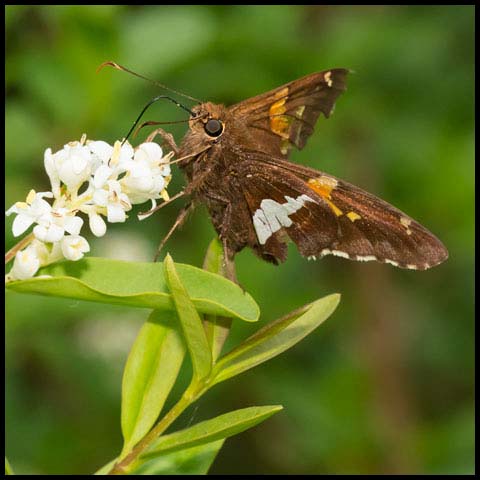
(387, 384)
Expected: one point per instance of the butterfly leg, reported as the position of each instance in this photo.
(228, 253)
(225, 234)
(182, 216)
(167, 137)
(229, 264)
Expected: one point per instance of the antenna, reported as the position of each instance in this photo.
(154, 82)
(153, 100)
(152, 122)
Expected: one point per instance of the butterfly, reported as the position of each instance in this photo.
(236, 163)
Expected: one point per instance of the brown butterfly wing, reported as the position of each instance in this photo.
(286, 116)
(324, 215)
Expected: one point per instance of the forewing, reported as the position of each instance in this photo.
(324, 215)
(286, 116)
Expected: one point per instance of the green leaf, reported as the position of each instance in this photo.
(192, 327)
(150, 373)
(216, 328)
(139, 284)
(8, 468)
(274, 338)
(213, 261)
(106, 468)
(192, 461)
(223, 426)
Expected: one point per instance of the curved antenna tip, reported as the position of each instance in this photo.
(108, 64)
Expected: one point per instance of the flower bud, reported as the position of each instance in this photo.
(74, 246)
(25, 265)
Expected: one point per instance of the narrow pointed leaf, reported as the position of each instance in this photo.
(191, 323)
(8, 468)
(223, 426)
(106, 468)
(213, 261)
(274, 338)
(139, 284)
(216, 327)
(150, 373)
(217, 330)
(191, 461)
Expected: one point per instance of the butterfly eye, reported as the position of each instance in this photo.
(214, 127)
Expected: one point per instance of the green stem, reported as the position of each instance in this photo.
(16, 248)
(217, 330)
(190, 395)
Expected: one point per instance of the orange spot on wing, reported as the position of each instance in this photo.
(353, 216)
(278, 107)
(279, 123)
(334, 208)
(281, 126)
(323, 186)
(281, 93)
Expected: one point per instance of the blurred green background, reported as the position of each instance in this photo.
(386, 385)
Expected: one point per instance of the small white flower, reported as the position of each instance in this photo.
(26, 263)
(52, 227)
(141, 183)
(147, 175)
(111, 198)
(55, 254)
(150, 151)
(72, 165)
(101, 153)
(117, 176)
(74, 246)
(122, 154)
(102, 174)
(49, 232)
(52, 172)
(30, 211)
(42, 252)
(97, 224)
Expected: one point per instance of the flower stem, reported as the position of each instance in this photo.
(189, 396)
(16, 248)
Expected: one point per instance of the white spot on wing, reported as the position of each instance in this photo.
(299, 111)
(328, 78)
(337, 253)
(406, 222)
(272, 216)
(366, 258)
(391, 262)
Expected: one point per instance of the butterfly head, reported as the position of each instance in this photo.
(207, 127)
(208, 121)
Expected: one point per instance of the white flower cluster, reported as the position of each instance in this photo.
(114, 178)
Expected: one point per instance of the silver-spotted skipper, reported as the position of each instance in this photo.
(235, 162)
